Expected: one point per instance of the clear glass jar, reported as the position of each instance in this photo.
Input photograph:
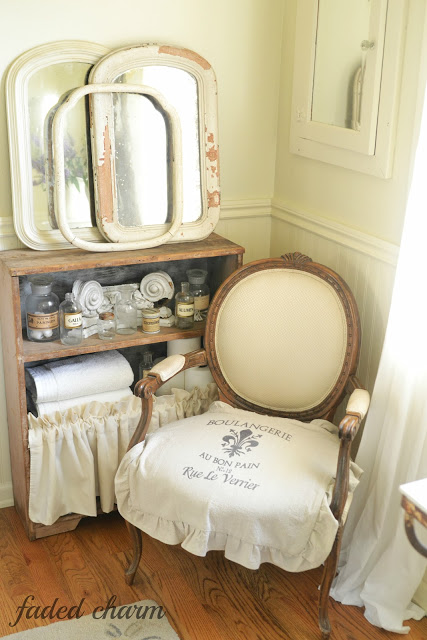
(126, 312)
(146, 364)
(184, 307)
(150, 321)
(70, 321)
(106, 325)
(42, 312)
(200, 292)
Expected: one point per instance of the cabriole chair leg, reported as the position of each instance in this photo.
(329, 572)
(136, 536)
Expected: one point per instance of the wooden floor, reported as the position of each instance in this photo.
(204, 598)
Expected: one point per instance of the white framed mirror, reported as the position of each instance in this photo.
(346, 80)
(104, 177)
(188, 83)
(35, 82)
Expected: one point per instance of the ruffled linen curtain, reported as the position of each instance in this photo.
(380, 570)
(74, 455)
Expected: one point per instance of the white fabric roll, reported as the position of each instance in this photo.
(184, 345)
(197, 377)
(79, 376)
(156, 286)
(44, 408)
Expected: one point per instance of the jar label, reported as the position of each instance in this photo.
(150, 325)
(73, 320)
(42, 320)
(184, 309)
(201, 302)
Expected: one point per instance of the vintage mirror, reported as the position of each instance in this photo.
(35, 82)
(346, 70)
(105, 174)
(130, 202)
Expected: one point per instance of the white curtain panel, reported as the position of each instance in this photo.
(380, 569)
(75, 454)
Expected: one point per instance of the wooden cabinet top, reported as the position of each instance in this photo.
(27, 261)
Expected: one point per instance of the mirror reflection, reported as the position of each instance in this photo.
(179, 87)
(141, 159)
(45, 87)
(341, 47)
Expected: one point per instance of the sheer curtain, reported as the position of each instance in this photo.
(380, 569)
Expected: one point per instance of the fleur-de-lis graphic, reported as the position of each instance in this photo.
(239, 443)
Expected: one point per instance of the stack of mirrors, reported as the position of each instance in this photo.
(112, 151)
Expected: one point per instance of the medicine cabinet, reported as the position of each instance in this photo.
(346, 79)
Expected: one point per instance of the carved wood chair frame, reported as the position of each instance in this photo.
(347, 383)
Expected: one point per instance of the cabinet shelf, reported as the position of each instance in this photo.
(218, 256)
(35, 351)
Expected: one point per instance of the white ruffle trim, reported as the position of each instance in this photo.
(244, 552)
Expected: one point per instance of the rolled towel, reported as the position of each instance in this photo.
(79, 376)
(157, 286)
(44, 408)
(89, 295)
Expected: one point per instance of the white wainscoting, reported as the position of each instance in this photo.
(366, 263)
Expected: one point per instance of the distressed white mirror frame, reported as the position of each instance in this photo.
(17, 81)
(369, 150)
(119, 62)
(58, 131)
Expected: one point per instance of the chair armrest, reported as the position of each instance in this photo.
(357, 407)
(166, 369)
(161, 372)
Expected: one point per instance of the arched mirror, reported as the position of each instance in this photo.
(35, 82)
(136, 204)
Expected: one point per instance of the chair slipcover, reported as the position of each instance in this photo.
(255, 486)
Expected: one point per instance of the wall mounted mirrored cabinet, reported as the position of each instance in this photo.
(112, 152)
(346, 80)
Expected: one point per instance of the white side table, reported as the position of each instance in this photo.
(414, 502)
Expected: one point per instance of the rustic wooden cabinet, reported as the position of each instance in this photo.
(219, 256)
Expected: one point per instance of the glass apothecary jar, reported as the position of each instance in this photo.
(125, 312)
(106, 324)
(42, 312)
(70, 321)
(184, 307)
(200, 292)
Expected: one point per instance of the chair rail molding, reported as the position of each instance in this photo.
(8, 237)
(336, 232)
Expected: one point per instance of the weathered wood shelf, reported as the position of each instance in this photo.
(220, 256)
(33, 351)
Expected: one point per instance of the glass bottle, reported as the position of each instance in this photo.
(70, 320)
(200, 292)
(146, 364)
(42, 306)
(184, 307)
(106, 325)
(126, 312)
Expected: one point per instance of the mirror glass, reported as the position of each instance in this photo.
(342, 43)
(144, 138)
(141, 161)
(45, 87)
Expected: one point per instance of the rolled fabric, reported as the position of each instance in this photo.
(183, 345)
(45, 408)
(89, 295)
(157, 286)
(79, 376)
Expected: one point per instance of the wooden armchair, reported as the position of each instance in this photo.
(282, 342)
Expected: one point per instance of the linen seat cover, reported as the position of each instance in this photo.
(255, 486)
(287, 326)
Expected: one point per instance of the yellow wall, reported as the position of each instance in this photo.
(363, 202)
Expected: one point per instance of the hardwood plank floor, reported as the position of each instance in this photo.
(204, 598)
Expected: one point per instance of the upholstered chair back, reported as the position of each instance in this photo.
(282, 337)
